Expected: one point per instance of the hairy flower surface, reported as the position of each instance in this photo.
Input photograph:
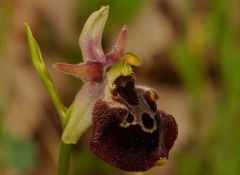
(129, 131)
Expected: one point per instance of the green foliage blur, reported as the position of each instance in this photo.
(14, 152)
(219, 152)
(213, 146)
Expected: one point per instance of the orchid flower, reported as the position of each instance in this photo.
(129, 131)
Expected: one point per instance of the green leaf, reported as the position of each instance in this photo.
(44, 75)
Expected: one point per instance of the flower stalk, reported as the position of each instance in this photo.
(64, 158)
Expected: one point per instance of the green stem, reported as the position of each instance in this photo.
(64, 158)
(65, 151)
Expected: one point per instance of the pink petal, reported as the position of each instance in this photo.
(119, 49)
(90, 40)
(88, 72)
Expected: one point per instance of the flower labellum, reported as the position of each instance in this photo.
(129, 131)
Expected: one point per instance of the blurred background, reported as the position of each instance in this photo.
(191, 54)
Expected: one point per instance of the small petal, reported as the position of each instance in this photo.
(81, 117)
(88, 72)
(122, 67)
(90, 40)
(119, 49)
(131, 59)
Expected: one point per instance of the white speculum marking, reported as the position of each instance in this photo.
(147, 123)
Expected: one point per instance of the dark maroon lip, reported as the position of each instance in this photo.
(133, 135)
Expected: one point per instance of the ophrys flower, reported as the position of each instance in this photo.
(129, 131)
